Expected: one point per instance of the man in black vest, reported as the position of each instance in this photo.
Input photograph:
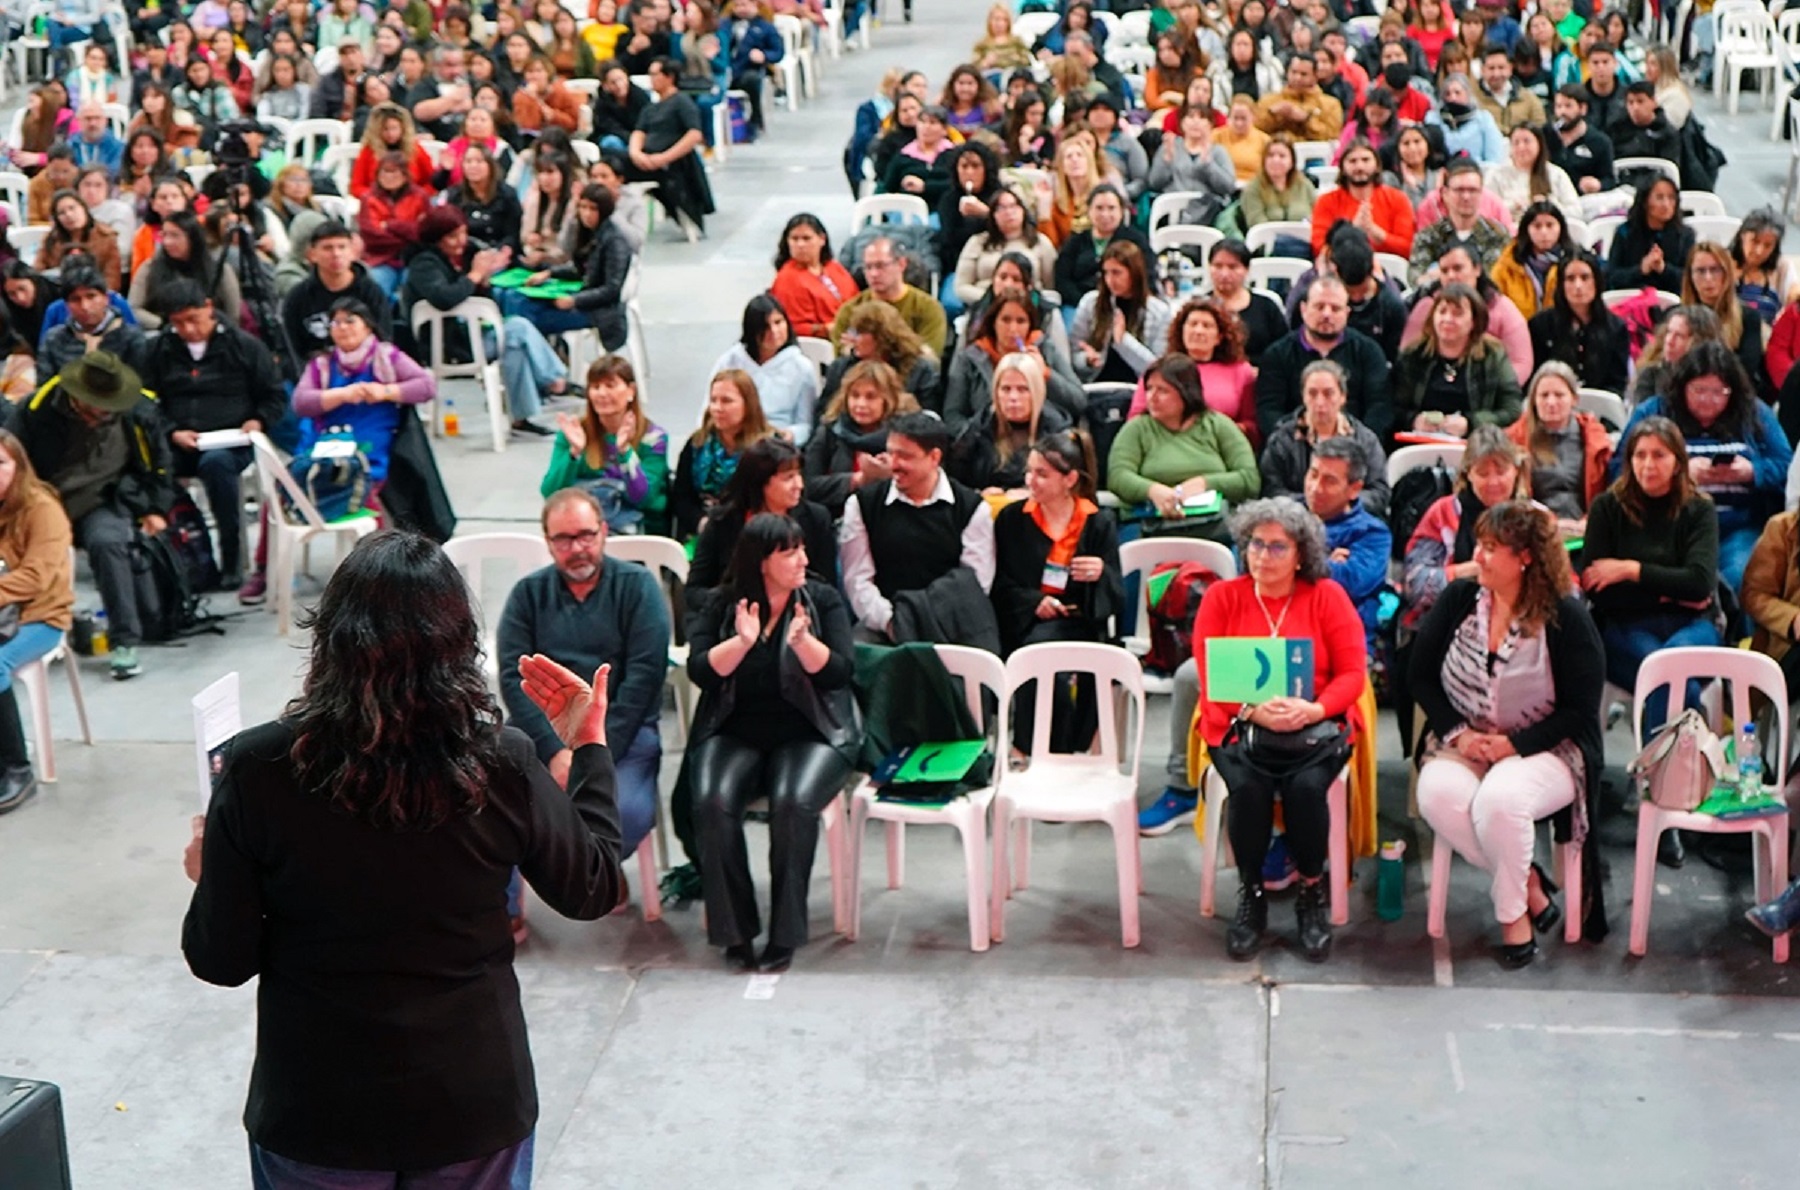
(905, 533)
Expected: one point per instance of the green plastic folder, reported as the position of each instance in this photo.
(511, 278)
(1253, 669)
(946, 761)
(551, 290)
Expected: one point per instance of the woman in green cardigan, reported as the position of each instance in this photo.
(1179, 448)
(1458, 376)
(614, 451)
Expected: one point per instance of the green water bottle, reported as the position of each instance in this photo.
(1390, 881)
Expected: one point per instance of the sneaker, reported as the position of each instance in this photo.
(1174, 808)
(1279, 871)
(254, 590)
(124, 663)
(1779, 916)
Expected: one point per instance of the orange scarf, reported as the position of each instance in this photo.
(995, 354)
(1062, 548)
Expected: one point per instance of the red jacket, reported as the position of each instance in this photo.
(1318, 610)
(362, 171)
(1393, 214)
(1784, 345)
(389, 225)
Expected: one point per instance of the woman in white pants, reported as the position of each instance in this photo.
(1508, 670)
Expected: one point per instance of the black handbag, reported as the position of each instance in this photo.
(1280, 754)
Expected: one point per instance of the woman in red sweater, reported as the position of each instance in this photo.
(1261, 750)
(808, 283)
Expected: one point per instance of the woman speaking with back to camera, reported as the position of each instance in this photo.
(356, 856)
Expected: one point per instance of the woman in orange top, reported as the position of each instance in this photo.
(542, 100)
(165, 200)
(808, 283)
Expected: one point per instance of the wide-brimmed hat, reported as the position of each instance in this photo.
(103, 380)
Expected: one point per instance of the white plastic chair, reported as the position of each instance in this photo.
(1185, 235)
(27, 240)
(1166, 208)
(1267, 269)
(1721, 229)
(1213, 845)
(285, 537)
(15, 190)
(1744, 671)
(339, 161)
(876, 208)
(1661, 164)
(1437, 905)
(1363, 29)
(35, 678)
(477, 312)
(981, 672)
(819, 351)
(1412, 458)
(342, 209)
(308, 138)
(1072, 788)
(1702, 202)
(661, 554)
(1029, 26)
(636, 349)
(1787, 48)
(1609, 407)
(1133, 28)
(1600, 233)
(1145, 554)
(1394, 265)
(797, 70)
(1262, 237)
(118, 116)
(1746, 41)
(1310, 154)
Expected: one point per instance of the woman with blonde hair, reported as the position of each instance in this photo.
(1076, 174)
(1000, 48)
(614, 451)
(989, 454)
(390, 130)
(1711, 280)
(733, 420)
(35, 541)
(849, 449)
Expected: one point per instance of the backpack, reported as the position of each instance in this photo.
(1413, 494)
(1680, 764)
(334, 474)
(192, 544)
(168, 606)
(1173, 591)
(1107, 409)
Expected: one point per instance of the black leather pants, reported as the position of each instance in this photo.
(799, 778)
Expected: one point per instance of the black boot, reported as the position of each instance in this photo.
(1314, 922)
(16, 785)
(1245, 936)
(1670, 852)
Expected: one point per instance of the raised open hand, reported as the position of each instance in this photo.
(575, 709)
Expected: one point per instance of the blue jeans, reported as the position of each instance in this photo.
(388, 276)
(509, 1169)
(637, 769)
(1736, 541)
(1628, 642)
(542, 314)
(31, 642)
(527, 367)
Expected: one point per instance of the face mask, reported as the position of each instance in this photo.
(1396, 75)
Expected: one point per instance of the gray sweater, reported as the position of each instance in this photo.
(622, 622)
(1211, 174)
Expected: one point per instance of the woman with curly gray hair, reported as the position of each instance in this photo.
(1293, 742)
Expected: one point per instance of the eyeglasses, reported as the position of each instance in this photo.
(562, 542)
(1273, 550)
(1712, 392)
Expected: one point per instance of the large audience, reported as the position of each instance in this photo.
(1165, 270)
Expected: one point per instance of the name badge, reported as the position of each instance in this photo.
(1056, 578)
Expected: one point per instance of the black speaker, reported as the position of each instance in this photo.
(34, 1148)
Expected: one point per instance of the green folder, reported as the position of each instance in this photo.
(551, 290)
(511, 278)
(948, 760)
(1254, 669)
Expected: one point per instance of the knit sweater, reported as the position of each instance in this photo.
(37, 575)
(1678, 553)
(644, 471)
(1147, 452)
(1320, 611)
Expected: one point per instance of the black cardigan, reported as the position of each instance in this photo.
(719, 534)
(389, 1032)
(1578, 669)
(1020, 551)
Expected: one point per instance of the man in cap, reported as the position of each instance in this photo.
(94, 436)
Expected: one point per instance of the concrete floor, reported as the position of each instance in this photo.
(1057, 1059)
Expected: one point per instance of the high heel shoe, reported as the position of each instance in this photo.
(1515, 955)
(1550, 917)
(741, 958)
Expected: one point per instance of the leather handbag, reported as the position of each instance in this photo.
(1680, 764)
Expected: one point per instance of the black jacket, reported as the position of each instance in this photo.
(47, 426)
(64, 345)
(1655, 139)
(1632, 244)
(495, 223)
(612, 118)
(1078, 265)
(1591, 156)
(831, 459)
(431, 278)
(1578, 671)
(719, 534)
(975, 457)
(235, 380)
(954, 228)
(602, 275)
(1278, 380)
(1600, 352)
(306, 311)
(389, 1030)
(1020, 552)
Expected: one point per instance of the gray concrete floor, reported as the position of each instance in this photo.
(1057, 1059)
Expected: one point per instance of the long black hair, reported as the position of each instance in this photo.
(394, 723)
(195, 266)
(765, 534)
(760, 462)
(1712, 358)
(756, 321)
(803, 219)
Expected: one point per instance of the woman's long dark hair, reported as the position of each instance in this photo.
(394, 723)
(756, 321)
(1521, 245)
(1713, 358)
(760, 462)
(197, 265)
(765, 534)
(1638, 217)
(804, 219)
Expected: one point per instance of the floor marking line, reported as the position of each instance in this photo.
(1456, 1069)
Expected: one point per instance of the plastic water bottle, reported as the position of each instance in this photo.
(1749, 763)
(451, 426)
(101, 643)
(1390, 881)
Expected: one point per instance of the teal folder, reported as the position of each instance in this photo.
(1255, 669)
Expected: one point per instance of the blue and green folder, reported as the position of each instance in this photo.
(1254, 669)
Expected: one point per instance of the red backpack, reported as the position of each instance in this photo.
(1173, 591)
